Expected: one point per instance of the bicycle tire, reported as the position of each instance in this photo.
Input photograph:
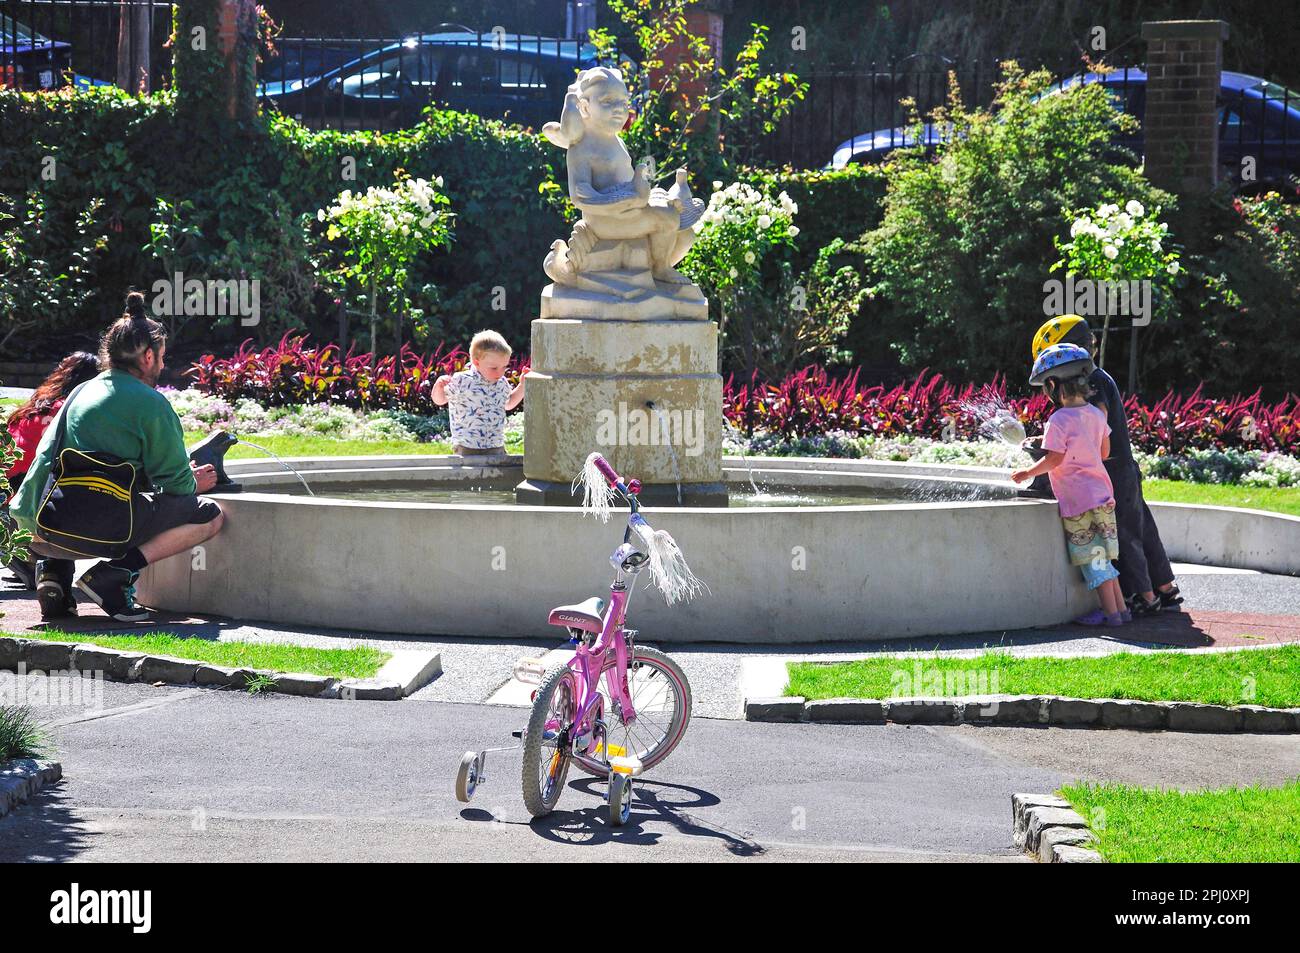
(541, 802)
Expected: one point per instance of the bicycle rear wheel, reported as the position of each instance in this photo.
(546, 755)
(661, 697)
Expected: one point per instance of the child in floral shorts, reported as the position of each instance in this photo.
(479, 396)
(1076, 441)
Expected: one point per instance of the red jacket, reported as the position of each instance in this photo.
(27, 435)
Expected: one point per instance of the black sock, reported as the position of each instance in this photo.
(133, 560)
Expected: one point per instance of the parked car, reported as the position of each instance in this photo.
(1256, 118)
(30, 61)
(503, 76)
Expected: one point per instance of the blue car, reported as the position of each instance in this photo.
(1256, 118)
(29, 61)
(504, 76)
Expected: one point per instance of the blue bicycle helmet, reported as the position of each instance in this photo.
(1061, 361)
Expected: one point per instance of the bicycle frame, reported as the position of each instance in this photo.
(587, 665)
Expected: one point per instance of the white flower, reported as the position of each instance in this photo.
(1134, 208)
(733, 272)
(426, 222)
(750, 258)
(320, 215)
(1173, 268)
(717, 184)
(793, 230)
(1080, 226)
(1111, 252)
(1119, 243)
(1155, 245)
(1106, 211)
(1124, 221)
(764, 221)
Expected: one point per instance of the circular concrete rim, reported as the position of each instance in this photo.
(993, 485)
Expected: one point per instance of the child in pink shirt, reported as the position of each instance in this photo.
(1076, 441)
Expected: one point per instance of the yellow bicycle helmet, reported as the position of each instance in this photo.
(1066, 329)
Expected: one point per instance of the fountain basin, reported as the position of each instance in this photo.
(776, 573)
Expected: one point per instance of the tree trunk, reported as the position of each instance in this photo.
(374, 328)
(134, 39)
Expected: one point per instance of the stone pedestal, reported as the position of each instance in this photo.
(634, 379)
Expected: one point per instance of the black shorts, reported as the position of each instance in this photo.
(159, 512)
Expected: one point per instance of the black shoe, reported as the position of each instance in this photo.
(1140, 607)
(26, 572)
(1170, 599)
(55, 598)
(113, 589)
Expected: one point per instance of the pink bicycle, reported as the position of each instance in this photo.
(633, 721)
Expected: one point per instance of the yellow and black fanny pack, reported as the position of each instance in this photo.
(91, 501)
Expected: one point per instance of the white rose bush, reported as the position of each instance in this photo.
(741, 227)
(380, 232)
(1111, 243)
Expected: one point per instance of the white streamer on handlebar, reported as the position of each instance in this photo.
(668, 566)
(597, 495)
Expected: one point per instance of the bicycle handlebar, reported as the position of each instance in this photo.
(609, 473)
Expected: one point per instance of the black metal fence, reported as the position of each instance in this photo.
(854, 114)
(860, 113)
(48, 44)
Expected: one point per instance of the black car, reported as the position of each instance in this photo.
(30, 61)
(501, 75)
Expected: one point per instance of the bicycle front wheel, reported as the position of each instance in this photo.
(661, 698)
(546, 752)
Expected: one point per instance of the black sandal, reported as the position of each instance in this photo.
(1140, 607)
(1170, 599)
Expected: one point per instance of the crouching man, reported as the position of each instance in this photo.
(121, 413)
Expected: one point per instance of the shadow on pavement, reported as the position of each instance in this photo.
(652, 801)
(43, 830)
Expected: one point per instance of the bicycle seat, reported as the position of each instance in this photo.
(587, 616)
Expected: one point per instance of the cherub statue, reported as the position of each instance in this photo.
(617, 202)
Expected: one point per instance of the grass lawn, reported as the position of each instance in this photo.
(293, 446)
(1279, 499)
(1230, 825)
(1219, 678)
(359, 662)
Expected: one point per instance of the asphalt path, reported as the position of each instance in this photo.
(188, 774)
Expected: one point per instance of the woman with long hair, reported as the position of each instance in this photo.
(27, 425)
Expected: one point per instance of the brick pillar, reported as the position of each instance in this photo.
(1184, 60)
(705, 20)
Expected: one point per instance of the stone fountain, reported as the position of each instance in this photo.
(624, 355)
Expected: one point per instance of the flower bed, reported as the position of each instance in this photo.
(811, 409)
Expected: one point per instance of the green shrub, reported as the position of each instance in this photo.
(1239, 302)
(958, 263)
(833, 203)
(248, 193)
